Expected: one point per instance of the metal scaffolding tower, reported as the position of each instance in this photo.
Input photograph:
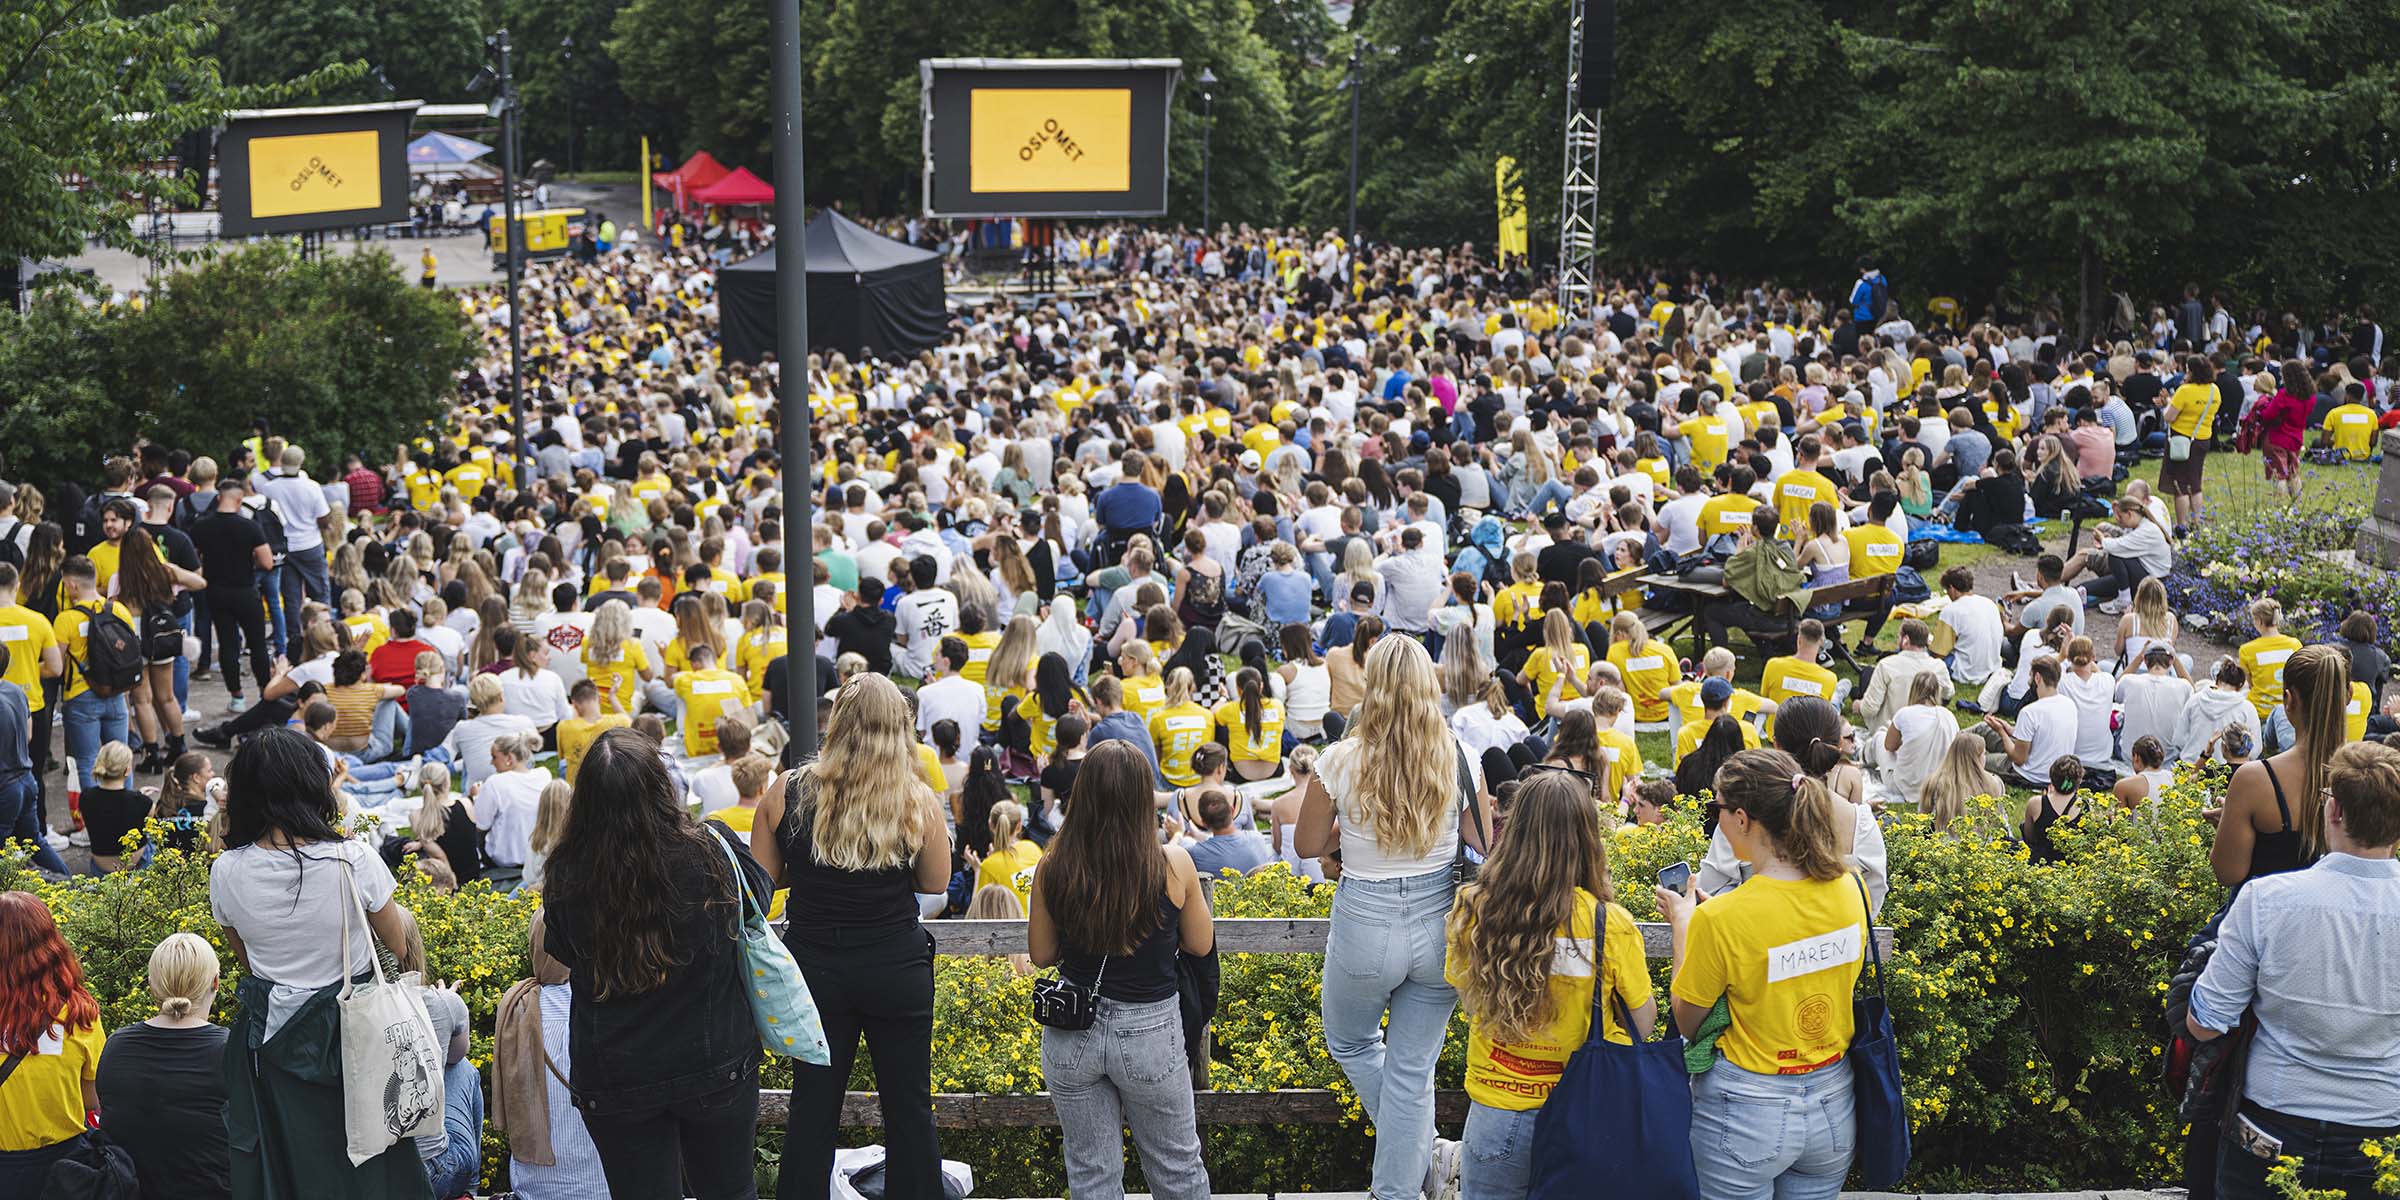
(1579, 191)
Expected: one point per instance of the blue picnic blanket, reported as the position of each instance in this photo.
(1945, 533)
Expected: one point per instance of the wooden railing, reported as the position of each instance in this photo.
(1234, 935)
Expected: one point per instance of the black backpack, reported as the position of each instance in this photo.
(162, 634)
(10, 552)
(112, 652)
(2015, 539)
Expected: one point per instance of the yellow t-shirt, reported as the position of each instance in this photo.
(424, 486)
(27, 634)
(69, 628)
(2196, 407)
(929, 764)
(616, 680)
(1711, 440)
(706, 696)
(576, 735)
(1729, 513)
(367, 632)
(2354, 717)
(1541, 669)
(2352, 428)
(1874, 550)
(1041, 727)
(1795, 493)
(1517, 1076)
(1144, 695)
(1177, 732)
(1624, 760)
(979, 656)
(758, 649)
(43, 1102)
(469, 478)
(995, 702)
(1687, 739)
(1262, 438)
(1647, 676)
(1011, 868)
(1268, 745)
(1788, 953)
(1786, 677)
(104, 558)
(1518, 605)
(1685, 696)
(2264, 657)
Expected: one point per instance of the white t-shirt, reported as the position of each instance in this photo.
(952, 698)
(2094, 699)
(1976, 620)
(2049, 726)
(505, 809)
(2153, 703)
(1362, 856)
(471, 741)
(925, 617)
(288, 907)
(541, 699)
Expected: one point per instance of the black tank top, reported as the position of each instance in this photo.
(1145, 976)
(2280, 851)
(2037, 834)
(826, 898)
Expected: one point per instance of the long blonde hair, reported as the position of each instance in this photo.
(1504, 928)
(2151, 616)
(1960, 777)
(433, 805)
(610, 627)
(863, 797)
(1405, 779)
(1464, 672)
(2316, 696)
(1628, 631)
(1011, 664)
(550, 818)
(1558, 637)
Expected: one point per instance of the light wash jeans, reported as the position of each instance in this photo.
(1499, 1153)
(1128, 1071)
(457, 1169)
(377, 778)
(92, 722)
(1788, 1137)
(1548, 493)
(1385, 953)
(661, 698)
(21, 819)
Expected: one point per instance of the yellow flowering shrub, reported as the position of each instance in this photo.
(2027, 999)
(2284, 1176)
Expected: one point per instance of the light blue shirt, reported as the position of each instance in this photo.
(2313, 952)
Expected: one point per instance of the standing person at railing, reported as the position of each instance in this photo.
(643, 909)
(863, 844)
(1110, 908)
(1394, 787)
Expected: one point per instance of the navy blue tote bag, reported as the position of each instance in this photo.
(1618, 1113)
(1883, 1150)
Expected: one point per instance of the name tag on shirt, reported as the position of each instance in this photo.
(979, 655)
(1810, 955)
(2273, 658)
(14, 633)
(2358, 419)
(1151, 696)
(1186, 724)
(713, 687)
(1647, 662)
(1571, 958)
(1800, 491)
(1803, 687)
(717, 586)
(1609, 753)
(53, 1042)
(1883, 551)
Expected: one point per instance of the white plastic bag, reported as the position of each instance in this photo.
(391, 1066)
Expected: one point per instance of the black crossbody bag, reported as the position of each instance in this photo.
(1061, 1003)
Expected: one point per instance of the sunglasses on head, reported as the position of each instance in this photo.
(1586, 776)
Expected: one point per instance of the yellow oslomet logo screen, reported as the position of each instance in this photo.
(1050, 140)
(315, 173)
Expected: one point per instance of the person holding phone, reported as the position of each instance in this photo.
(1774, 1111)
(1524, 957)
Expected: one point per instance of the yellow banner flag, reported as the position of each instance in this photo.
(1510, 195)
(645, 181)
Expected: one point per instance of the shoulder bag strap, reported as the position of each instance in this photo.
(10, 1067)
(1601, 992)
(741, 879)
(1874, 951)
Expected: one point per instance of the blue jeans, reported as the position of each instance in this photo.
(1128, 1071)
(1499, 1153)
(2329, 1161)
(1789, 1137)
(458, 1168)
(1548, 492)
(92, 722)
(2278, 733)
(272, 592)
(304, 577)
(1385, 953)
(21, 819)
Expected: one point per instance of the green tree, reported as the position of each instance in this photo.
(427, 49)
(60, 369)
(556, 84)
(339, 353)
(88, 97)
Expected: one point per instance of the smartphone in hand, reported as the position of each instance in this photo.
(1675, 877)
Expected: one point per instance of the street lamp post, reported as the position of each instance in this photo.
(504, 106)
(566, 51)
(1352, 83)
(1208, 143)
(791, 353)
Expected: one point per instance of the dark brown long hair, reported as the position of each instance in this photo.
(1103, 874)
(142, 579)
(1503, 929)
(615, 864)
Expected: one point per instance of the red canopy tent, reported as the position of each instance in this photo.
(740, 187)
(697, 172)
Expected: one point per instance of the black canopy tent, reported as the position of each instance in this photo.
(867, 295)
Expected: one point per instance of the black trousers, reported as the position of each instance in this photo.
(1724, 616)
(2119, 575)
(879, 985)
(43, 722)
(239, 620)
(703, 1147)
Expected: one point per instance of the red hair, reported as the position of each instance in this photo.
(40, 977)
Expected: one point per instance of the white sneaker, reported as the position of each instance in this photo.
(81, 839)
(408, 774)
(235, 705)
(2115, 608)
(55, 840)
(1441, 1173)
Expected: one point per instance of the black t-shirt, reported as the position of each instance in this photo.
(2140, 390)
(1058, 779)
(779, 683)
(865, 631)
(162, 1097)
(1560, 561)
(111, 813)
(225, 543)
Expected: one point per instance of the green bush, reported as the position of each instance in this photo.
(2027, 1000)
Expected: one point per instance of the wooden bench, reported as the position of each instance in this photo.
(1854, 597)
(1667, 626)
(1234, 935)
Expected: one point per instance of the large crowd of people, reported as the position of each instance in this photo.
(1245, 551)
